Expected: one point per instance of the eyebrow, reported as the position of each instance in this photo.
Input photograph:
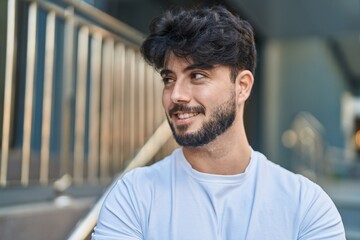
(165, 72)
(203, 66)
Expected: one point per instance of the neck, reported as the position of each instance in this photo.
(228, 154)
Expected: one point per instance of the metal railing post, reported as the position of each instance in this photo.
(119, 78)
(67, 96)
(106, 108)
(94, 115)
(47, 99)
(8, 89)
(29, 93)
(80, 107)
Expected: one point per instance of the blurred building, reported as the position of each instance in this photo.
(78, 105)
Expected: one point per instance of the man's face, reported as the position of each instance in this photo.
(200, 104)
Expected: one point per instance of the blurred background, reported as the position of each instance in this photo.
(79, 107)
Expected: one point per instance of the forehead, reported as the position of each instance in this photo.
(183, 64)
(172, 61)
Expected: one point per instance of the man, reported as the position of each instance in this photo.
(215, 186)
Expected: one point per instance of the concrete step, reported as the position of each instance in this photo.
(53, 220)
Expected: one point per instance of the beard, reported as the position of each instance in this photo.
(220, 120)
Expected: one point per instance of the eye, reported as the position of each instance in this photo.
(167, 80)
(197, 75)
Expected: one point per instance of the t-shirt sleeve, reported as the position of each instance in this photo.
(119, 218)
(321, 219)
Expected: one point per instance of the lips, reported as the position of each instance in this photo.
(183, 111)
(185, 115)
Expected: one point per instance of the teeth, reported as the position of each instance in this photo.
(185, 115)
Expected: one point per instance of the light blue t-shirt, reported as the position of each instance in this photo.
(171, 201)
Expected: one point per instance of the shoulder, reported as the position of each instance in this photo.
(146, 178)
(285, 181)
(127, 204)
(156, 170)
(283, 178)
(316, 212)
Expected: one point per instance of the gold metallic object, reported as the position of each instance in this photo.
(47, 99)
(8, 90)
(29, 93)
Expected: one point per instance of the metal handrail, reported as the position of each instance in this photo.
(100, 56)
(107, 20)
(143, 157)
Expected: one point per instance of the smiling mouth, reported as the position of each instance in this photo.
(185, 115)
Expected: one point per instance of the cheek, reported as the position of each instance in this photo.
(204, 93)
(210, 96)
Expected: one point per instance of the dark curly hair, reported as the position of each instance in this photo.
(208, 36)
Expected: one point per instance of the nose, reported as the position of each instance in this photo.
(181, 92)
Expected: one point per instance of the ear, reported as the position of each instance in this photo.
(244, 83)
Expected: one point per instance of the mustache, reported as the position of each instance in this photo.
(184, 108)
